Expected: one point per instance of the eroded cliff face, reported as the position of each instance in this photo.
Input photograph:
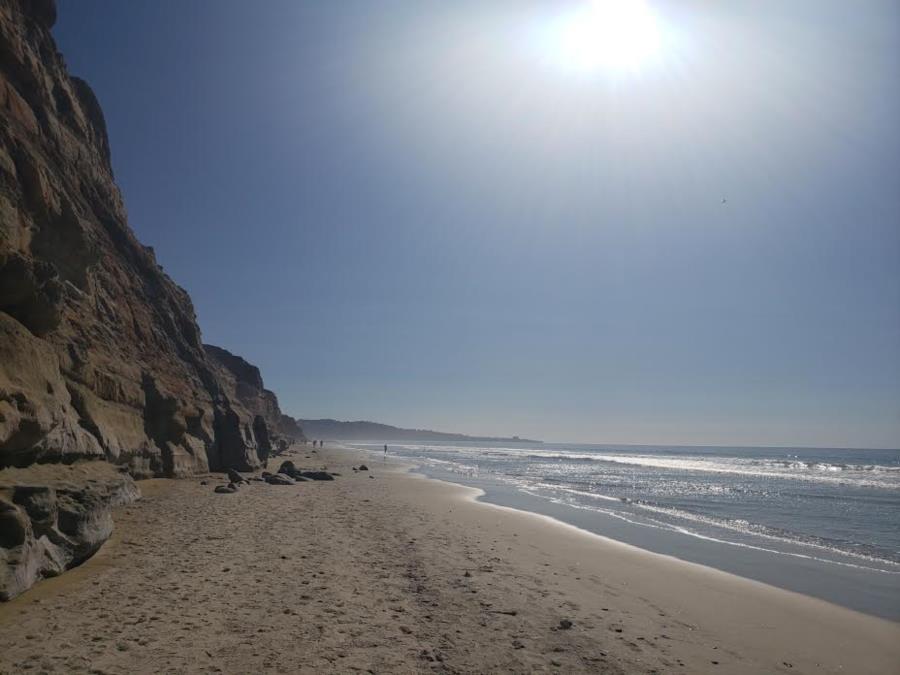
(261, 424)
(100, 353)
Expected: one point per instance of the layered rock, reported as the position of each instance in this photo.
(101, 357)
(53, 517)
(253, 411)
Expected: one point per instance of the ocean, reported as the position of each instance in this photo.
(820, 521)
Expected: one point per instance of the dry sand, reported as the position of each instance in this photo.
(401, 574)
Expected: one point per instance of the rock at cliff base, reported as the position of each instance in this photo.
(235, 477)
(280, 479)
(53, 517)
(316, 475)
(231, 488)
(287, 468)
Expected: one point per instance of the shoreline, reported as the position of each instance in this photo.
(871, 587)
(403, 573)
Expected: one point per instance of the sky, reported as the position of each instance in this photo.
(630, 222)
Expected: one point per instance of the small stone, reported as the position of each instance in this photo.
(565, 624)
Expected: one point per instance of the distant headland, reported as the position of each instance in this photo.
(335, 430)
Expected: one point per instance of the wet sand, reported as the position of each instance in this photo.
(400, 574)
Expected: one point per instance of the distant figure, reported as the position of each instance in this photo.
(385, 452)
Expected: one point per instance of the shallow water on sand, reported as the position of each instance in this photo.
(825, 522)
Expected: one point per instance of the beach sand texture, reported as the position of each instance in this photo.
(395, 573)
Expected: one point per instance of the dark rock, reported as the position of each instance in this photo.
(287, 468)
(204, 482)
(280, 479)
(231, 488)
(565, 624)
(235, 477)
(316, 475)
(363, 467)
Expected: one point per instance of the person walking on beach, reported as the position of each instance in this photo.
(385, 452)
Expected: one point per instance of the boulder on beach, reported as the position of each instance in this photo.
(287, 468)
(316, 475)
(235, 477)
(231, 488)
(363, 467)
(280, 479)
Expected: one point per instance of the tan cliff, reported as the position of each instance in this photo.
(101, 357)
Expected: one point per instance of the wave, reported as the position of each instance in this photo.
(877, 560)
(873, 475)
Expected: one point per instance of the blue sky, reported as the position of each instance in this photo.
(416, 213)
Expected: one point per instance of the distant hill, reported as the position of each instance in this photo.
(334, 430)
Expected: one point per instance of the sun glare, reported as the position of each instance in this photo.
(615, 35)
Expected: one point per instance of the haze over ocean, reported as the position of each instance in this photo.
(470, 235)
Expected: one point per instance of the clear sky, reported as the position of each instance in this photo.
(511, 218)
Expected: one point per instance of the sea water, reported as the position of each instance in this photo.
(824, 522)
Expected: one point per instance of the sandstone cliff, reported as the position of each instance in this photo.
(259, 418)
(100, 353)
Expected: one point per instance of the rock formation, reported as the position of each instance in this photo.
(100, 353)
(53, 517)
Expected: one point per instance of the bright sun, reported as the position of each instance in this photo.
(615, 35)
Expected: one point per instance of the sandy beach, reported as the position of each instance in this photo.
(388, 572)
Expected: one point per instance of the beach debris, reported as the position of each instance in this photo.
(231, 488)
(280, 479)
(204, 482)
(508, 612)
(363, 467)
(565, 624)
